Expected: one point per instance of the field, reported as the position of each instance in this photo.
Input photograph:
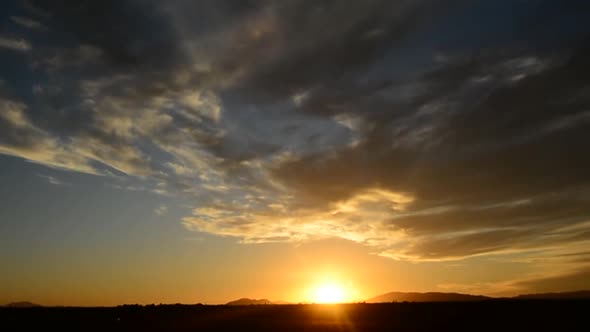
(528, 315)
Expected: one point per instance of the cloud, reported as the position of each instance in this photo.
(23, 139)
(380, 122)
(361, 218)
(61, 58)
(15, 44)
(52, 180)
(26, 22)
(488, 176)
(161, 210)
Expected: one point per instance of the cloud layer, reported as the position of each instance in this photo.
(427, 131)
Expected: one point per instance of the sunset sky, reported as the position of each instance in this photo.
(204, 151)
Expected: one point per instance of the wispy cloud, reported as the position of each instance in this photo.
(15, 44)
(161, 210)
(51, 179)
(26, 22)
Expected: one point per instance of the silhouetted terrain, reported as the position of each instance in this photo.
(493, 315)
(23, 304)
(556, 296)
(458, 297)
(425, 297)
(245, 301)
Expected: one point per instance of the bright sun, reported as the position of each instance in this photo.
(329, 293)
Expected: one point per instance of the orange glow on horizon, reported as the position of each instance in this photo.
(330, 293)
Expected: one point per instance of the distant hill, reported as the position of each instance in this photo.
(23, 304)
(245, 301)
(426, 297)
(584, 294)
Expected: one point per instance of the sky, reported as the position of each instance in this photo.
(203, 151)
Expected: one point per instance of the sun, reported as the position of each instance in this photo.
(329, 293)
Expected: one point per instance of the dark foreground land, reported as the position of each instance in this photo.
(530, 315)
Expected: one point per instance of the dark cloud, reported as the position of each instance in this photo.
(321, 44)
(132, 35)
(517, 133)
(499, 126)
(468, 245)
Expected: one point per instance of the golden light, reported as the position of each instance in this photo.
(329, 293)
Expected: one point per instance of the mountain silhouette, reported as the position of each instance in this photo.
(246, 301)
(583, 294)
(23, 304)
(425, 297)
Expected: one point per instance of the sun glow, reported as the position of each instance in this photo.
(329, 293)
